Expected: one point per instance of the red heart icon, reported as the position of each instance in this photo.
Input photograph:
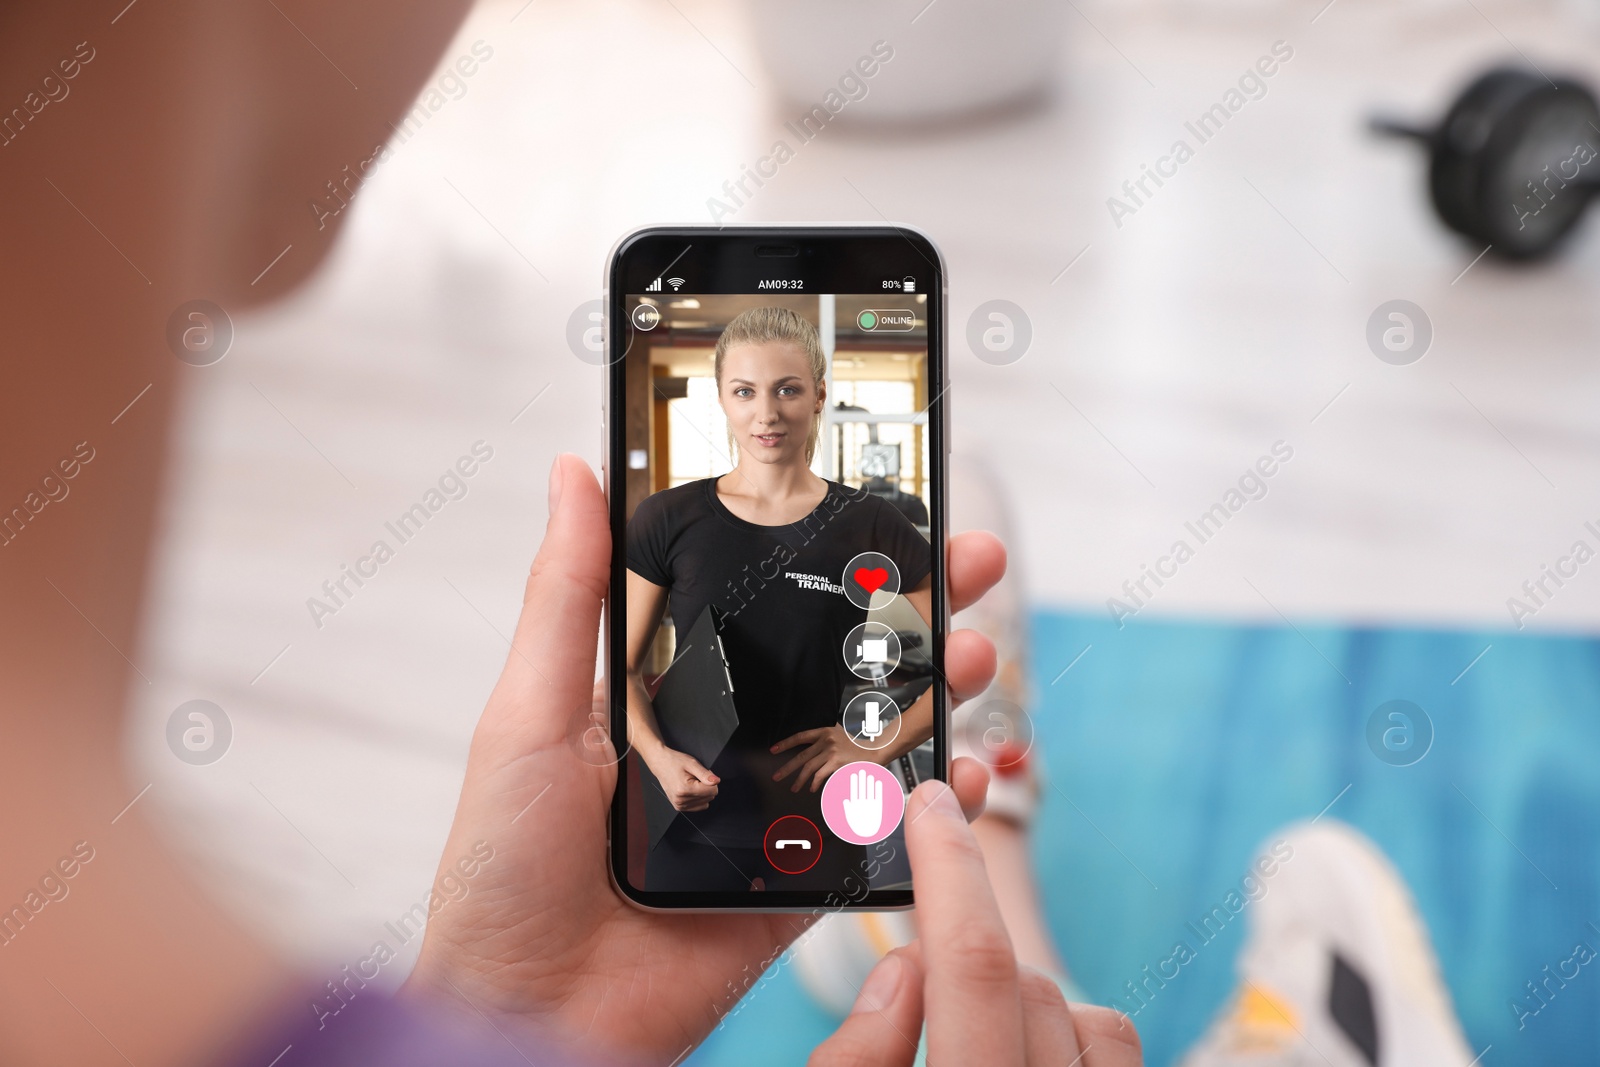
(871, 580)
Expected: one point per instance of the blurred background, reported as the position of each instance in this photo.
(1161, 337)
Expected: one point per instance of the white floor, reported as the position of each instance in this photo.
(1227, 314)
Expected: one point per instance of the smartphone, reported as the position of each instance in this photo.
(776, 434)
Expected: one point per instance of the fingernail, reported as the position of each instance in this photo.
(881, 986)
(556, 477)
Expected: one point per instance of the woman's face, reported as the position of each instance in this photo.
(770, 399)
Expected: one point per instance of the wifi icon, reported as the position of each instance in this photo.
(676, 283)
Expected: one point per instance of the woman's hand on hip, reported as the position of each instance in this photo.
(824, 751)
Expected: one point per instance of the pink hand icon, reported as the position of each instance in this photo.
(863, 802)
(863, 811)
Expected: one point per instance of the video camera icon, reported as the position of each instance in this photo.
(872, 651)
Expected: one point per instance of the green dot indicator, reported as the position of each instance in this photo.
(868, 320)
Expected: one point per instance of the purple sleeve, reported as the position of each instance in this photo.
(372, 1029)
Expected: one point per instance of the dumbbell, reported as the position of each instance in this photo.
(1514, 162)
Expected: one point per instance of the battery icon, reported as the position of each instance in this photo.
(909, 285)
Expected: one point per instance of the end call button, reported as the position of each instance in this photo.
(793, 844)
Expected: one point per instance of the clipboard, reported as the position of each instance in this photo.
(694, 712)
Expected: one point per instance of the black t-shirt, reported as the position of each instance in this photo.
(783, 615)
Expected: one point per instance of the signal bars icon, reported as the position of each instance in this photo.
(653, 287)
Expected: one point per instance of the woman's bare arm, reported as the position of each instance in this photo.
(646, 603)
(688, 783)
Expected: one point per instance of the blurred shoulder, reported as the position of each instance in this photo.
(680, 499)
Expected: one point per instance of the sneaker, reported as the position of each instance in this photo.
(1337, 969)
(834, 957)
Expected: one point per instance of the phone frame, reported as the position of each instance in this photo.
(837, 259)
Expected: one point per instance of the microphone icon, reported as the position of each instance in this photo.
(872, 725)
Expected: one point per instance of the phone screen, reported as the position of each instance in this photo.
(776, 476)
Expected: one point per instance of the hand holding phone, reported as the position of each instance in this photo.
(542, 940)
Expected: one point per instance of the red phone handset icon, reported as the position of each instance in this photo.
(793, 844)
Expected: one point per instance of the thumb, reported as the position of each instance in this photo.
(696, 768)
(547, 682)
(883, 1026)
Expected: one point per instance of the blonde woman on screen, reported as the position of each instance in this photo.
(765, 546)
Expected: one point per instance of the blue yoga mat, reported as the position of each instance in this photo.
(1175, 748)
